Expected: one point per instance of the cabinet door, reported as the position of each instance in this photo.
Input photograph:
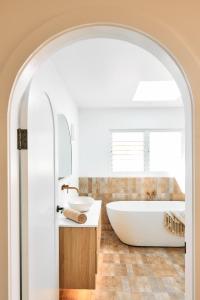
(98, 243)
(77, 258)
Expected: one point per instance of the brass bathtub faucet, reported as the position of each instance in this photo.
(151, 195)
(67, 187)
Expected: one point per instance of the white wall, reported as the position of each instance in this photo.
(95, 135)
(48, 79)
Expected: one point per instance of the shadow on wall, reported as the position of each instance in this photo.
(110, 189)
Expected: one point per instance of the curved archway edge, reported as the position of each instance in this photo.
(23, 78)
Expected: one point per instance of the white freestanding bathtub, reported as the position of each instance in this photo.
(141, 223)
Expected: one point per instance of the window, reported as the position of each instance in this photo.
(146, 151)
(165, 151)
(128, 151)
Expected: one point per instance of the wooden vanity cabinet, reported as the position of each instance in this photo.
(79, 247)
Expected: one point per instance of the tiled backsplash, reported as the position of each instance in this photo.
(133, 188)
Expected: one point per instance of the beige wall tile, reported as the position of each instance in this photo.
(178, 197)
(177, 189)
(163, 185)
(132, 185)
(139, 182)
(110, 189)
(164, 196)
(83, 184)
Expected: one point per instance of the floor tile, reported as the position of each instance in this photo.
(134, 273)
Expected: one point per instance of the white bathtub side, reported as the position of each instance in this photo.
(141, 228)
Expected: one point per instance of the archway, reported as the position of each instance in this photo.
(23, 78)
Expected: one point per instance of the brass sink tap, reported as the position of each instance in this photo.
(67, 187)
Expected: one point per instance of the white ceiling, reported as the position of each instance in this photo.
(106, 72)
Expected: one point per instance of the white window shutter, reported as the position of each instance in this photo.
(128, 151)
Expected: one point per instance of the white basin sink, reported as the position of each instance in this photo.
(81, 203)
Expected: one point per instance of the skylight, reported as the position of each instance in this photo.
(155, 91)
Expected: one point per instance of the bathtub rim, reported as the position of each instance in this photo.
(111, 204)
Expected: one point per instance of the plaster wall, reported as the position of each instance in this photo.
(47, 79)
(95, 133)
(25, 25)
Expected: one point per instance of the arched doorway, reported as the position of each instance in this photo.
(19, 88)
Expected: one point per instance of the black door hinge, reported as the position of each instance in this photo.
(22, 139)
(185, 247)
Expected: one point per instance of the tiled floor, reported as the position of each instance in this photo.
(135, 273)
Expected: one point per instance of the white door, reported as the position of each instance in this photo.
(39, 233)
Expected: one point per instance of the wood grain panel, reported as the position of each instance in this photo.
(98, 243)
(78, 256)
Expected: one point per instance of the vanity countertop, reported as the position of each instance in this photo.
(93, 216)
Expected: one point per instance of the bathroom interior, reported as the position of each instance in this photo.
(120, 154)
